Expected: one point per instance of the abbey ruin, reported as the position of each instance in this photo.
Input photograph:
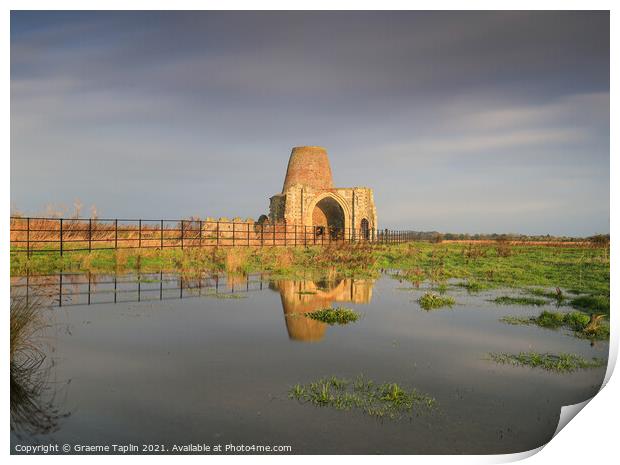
(309, 198)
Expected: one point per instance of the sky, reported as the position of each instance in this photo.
(459, 121)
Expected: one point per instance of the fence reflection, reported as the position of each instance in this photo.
(67, 289)
(297, 296)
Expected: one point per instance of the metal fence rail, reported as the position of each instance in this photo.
(30, 234)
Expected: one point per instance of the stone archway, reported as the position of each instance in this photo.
(330, 217)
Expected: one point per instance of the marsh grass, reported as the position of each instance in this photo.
(573, 266)
(32, 399)
(556, 295)
(584, 326)
(26, 322)
(474, 286)
(388, 400)
(592, 303)
(441, 288)
(508, 300)
(332, 316)
(559, 363)
(430, 301)
(32, 409)
(236, 259)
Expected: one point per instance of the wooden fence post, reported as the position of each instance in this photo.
(61, 242)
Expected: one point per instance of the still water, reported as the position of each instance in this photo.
(157, 359)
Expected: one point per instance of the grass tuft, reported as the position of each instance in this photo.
(560, 363)
(388, 400)
(507, 300)
(25, 324)
(585, 326)
(474, 286)
(332, 316)
(591, 303)
(431, 301)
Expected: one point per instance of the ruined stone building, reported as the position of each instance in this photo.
(310, 199)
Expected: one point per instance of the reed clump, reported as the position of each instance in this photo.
(236, 260)
(32, 409)
(26, 322)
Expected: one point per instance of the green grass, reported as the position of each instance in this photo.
(549, 319)
(559, 363)
(577, 268)
(556, 295)
(580, 269)
(474, 286)
(441, 288)
(579, 322)
(507, 300)
(592, 303)
(332, 316)
(387, 400)
(430, 301)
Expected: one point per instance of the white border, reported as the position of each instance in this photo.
(588, 438)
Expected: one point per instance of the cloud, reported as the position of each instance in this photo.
(441, 113)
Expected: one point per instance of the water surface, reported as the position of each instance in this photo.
(157, 359)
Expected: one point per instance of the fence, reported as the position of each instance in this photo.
(29, 235)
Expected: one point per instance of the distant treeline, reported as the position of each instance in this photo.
(436, 236)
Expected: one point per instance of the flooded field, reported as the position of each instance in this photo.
(160, 359)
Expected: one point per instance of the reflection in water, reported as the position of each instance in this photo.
(68, 289)
(298, 296)
(32, 400)
(184, 372)
(33, 407)
(310, 296)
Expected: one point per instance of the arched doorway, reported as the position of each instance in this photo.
(328, 219)
(365, 229)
